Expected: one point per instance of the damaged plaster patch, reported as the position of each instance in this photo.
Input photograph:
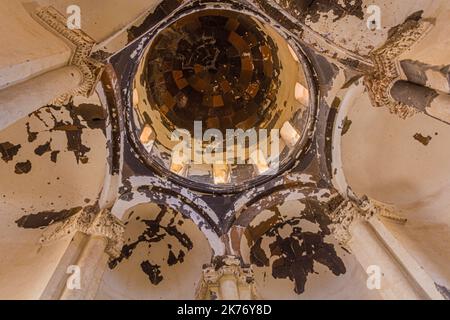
(32, 136)
(153, 271)
(94, 115)
(425, 140)
(46, 218)
(335, 9)
(346, 124)
(160, 13)
(165, 226)
(293, 247)
(23, 167)
(72, 119)
(445, 292)
(9, 151)
(42, 149)
(54, 156)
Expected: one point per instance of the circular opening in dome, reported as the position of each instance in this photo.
(221, 101)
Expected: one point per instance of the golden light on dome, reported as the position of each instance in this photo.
(301, 94)
(221, 173)
(289, 135)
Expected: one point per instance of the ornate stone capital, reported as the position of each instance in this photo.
(91, 69)
(94, 223)
(222, 267)
(386, 66)
(359, 209)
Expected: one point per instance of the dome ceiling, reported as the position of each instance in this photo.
(330, 189)
(221, 70)
(217, 67)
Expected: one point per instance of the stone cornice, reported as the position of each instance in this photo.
(83, 45)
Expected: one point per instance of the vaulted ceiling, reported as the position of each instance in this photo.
(89, 153)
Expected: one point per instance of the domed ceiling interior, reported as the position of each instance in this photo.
(351, 175)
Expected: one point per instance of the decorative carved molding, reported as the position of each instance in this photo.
(342, 219)
(209, 288)
(386, 66)
(359, 209)
(393, 216)
(83, 45)
(94, 223)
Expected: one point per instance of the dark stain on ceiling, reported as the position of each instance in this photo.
(46, 218)
(157, 230)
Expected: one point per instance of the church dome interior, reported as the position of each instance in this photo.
(220, 70)
(224, 150)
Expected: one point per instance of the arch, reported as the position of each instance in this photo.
(294, 192)
(145, 194)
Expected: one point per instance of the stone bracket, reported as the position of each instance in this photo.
(354, 209)
(94, 223)
(386, 66)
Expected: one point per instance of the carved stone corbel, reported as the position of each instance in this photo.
(359, 209)
(94, 223)
(386, 66)
(342, 219)
(82, 44)
(230, 267)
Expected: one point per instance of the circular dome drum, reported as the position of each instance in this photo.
(221, 101)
